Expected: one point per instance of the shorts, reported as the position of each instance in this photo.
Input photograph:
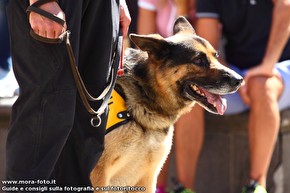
(235, 102)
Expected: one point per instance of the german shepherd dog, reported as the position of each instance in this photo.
(164, 79)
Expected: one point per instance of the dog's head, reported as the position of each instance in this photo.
(185, 67)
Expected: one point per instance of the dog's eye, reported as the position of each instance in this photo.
(216, 55)
(201, 61)
(197, 60)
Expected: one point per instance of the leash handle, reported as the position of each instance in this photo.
(82, 90)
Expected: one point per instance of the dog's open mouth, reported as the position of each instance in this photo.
(214, 103)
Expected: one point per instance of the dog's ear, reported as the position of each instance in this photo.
(153, 44)
(182, 25)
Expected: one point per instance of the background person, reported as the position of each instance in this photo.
(257, 46)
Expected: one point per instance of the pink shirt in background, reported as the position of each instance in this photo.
(165, 14)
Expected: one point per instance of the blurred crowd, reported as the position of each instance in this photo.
(8, 83)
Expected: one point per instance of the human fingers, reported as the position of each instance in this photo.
(260, 70)
(243, 91)
(52, 30)
(44, 26)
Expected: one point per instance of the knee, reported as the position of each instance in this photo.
(264, 89)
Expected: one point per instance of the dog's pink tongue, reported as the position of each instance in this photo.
(217, 101)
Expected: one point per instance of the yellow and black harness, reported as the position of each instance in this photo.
(118, 114)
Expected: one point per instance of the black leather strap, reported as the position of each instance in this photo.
(41, 2)
(35, 8)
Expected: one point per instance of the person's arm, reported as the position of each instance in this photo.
(125, 18)
(210, 29)
(44, 26)
(146, 21)
(183, 7)
(279, 36)
(280, 31)
(186, 8)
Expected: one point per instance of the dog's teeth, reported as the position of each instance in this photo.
(196, 89)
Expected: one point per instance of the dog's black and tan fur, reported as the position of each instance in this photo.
(164, 80)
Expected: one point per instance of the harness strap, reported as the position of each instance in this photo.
(83, 92)
(118, 113)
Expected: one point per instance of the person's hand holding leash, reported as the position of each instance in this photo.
(44, 26)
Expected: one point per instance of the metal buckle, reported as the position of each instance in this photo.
(96, 121)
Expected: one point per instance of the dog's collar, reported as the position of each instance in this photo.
(118, 114)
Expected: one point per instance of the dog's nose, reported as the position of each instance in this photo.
(236, 81)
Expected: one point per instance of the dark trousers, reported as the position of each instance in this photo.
(50, 136)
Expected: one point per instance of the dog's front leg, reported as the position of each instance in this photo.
(99, 179)
(148, 181)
